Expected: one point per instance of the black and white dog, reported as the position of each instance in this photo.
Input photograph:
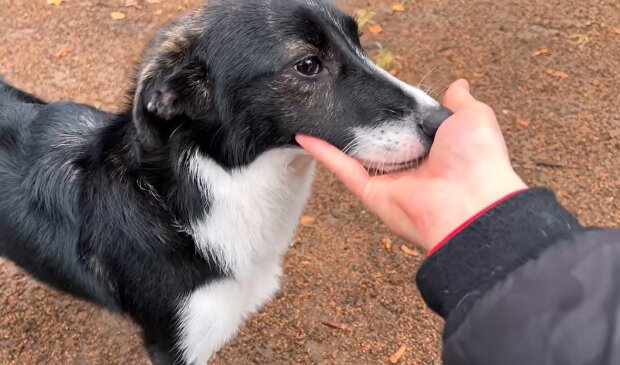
(178, 211)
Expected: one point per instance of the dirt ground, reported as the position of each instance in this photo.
(549, 68)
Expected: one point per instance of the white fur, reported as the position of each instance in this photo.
(386, 146)
(252, 218)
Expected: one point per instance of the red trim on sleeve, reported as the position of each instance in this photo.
(470, 220)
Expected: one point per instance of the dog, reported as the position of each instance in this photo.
(177, 212)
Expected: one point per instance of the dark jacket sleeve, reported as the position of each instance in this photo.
(526, 284)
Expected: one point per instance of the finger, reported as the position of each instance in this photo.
(457, 96)
(348, 169)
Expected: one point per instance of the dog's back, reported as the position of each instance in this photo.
(17, 110)
(9, 93)
(38, 145)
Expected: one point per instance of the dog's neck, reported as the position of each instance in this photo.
(253, 210)
(176, 173)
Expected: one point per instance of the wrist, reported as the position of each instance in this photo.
(464, 205)
(495, 244)
(433, 248)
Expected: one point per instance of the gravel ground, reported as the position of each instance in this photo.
(549, 68)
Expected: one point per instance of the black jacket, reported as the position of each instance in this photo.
(525, 284)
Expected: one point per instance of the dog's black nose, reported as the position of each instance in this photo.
(433, 119)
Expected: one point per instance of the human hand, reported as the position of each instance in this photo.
(467, 169)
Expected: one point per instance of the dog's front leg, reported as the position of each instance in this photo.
(212, 314)
(208, 319)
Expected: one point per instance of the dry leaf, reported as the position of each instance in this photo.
(385, 60)
(393, 72)
(558, 74)
(579, 38)
(400, 7)
(62, 53)
(398, 354)
(386, 242)
(523, 122)
(541, 52)
(616, 30)
(153, 1)
(306, 220)
(337, 325)
(409, 251)
(117, 15)
(158, 12)
(375, 29)
(479, 73)
(362, 17)
(132, 3)
(55, 2)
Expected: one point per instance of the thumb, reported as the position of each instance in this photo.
(346, 168)
(457, 96)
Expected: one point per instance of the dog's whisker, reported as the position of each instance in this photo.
(430, 90)
(426, 75)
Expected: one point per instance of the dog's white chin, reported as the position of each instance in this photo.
(387, 148)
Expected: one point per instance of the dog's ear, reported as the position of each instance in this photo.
(181, 92)
(172, 85)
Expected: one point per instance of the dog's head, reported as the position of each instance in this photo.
(242, 77)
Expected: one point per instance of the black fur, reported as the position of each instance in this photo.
(91, 202)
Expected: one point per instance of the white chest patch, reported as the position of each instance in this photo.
(252, 218)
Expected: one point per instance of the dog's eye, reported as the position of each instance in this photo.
(309, 66)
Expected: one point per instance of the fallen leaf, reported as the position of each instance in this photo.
(158, 12)
(336, 325)
(399, 7)
(153, 1)
(479, 73)
(393, 72)
(523, 122)
(616, 30)
(579, 38)
(62, 53)
(386, 242)
(409, 251)
(558, 74)
(398, 354)
(117, 15)
(362, 17)
(385, 60)
(54, 2)
(375, 29)
(132, 3)
(305, 263)
(306, 220)
(541, 52)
